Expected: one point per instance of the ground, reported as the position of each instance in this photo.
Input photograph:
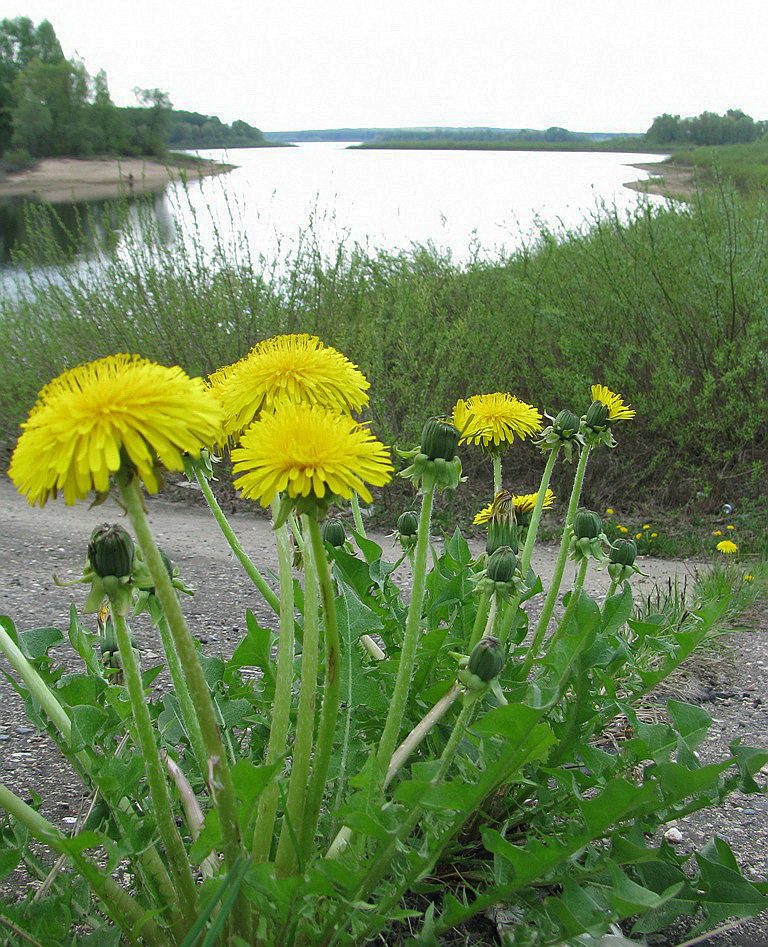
(36, 544)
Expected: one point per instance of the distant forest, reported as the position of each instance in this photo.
(51, 106)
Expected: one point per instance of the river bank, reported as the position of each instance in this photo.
(669, 180)
(103, 178)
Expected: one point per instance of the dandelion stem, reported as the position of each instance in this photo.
(578, 585)
(496, 472)
(287, 857)
(178, 861)
(281, 707)
(481, 616)
(411, 638)
(242, 556)
(557, 575)
(326, 730)
(357, 515)
(533, 526)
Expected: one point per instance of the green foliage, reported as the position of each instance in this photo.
(705, 129)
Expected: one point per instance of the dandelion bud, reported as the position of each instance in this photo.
(596, 418)
(502, 531)
(110, 551)
(587, 525)
(623, 552)
(501, 565)
(439, 439)
(408, 523)
(333, 533)
(487, 659)
(566, 424)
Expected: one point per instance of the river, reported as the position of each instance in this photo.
(467, 203)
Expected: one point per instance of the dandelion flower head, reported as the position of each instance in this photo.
(617, 410)
(523, 503)
(303, 449)
(94, 418)
(494, 420)
(296, 368)
(727, 547)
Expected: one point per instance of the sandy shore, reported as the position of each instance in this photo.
(669, 180)
(78, 179)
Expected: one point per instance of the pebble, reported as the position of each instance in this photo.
(673, 836)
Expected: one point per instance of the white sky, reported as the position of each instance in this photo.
(588, 65)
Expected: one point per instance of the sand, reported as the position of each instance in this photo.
(79, 179)
(669, 180)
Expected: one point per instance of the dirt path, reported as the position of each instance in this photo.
(36, 544)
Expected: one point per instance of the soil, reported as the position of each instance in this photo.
(37, 544)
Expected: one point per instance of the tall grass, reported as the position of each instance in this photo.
(668, 307)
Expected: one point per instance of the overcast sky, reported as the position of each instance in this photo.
(587, 65)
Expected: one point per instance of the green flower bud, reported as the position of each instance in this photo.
(623, 552)
(439, 439)
(408, 523)
(596, 417)
(502, 531)
(566, 424)
(333, 533)
(110, 551)
(587, 525)
(501, 565)
(487, 659)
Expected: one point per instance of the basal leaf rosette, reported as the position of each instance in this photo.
(493, 421)
(118, 411)
(296, 368)
(312, 455)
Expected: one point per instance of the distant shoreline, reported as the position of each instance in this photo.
(58, 180)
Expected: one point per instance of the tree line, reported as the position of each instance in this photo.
(709, 128)
(50, 106)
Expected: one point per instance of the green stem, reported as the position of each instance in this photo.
(132, 919)
(578, 585)
(281, 707)
(481, 617)
(533, 526)
(496, 472)
(219, 774)
(557, 575)
(411, 637)
(178, 861)
(612, 588)
(243, 558)
(357, 515)
(292, 829)
(181, 692)
(329, 711)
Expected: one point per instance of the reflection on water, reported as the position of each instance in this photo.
(33, 233)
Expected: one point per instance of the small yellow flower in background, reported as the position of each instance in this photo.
(609, 511)
(727, 547)
(494, 420)
(305, 450)
(646, 525)
(638, 535)
(524, 503)
(622, 529)
(748, 577)
(729, 526)
(92, 419)
(654, 535)
(297, 368)
(717, 532)
(617, 410)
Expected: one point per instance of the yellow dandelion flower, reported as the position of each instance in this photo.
(523, 503)
(304, 450)
(730, 526)
(609, 511)
(494, 420)
(646, 525)
(717, 532)
(654, 535)
(296, 368)
(638, 535)
(727, 547)
(622, 529)
(617, 410)
(89, 420)
(748, 577)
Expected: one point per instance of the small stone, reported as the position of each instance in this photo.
(24, 730)
(673, 836)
